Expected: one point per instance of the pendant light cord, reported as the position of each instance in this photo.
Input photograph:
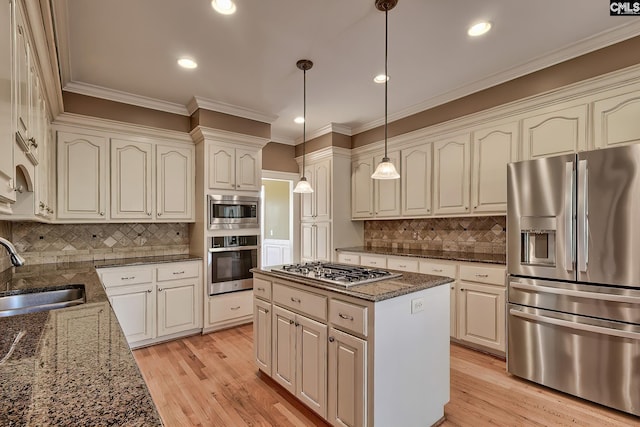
(304, 116)
(386, 75)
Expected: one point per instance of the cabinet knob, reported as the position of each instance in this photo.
(101, 213)
(159, 213)
(148, 213)
(297, 324)
(42, 205)
(461, 289)
(266, 310)
(149, 291)
(33, 142)
(466, 208)
(160, 289)
(291, 322)
(331, 339)
(238, 186)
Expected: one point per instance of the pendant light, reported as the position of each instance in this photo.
(385, 169)
(303, 185)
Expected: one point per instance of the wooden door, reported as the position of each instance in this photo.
(135, 309)
(307, 242)
(283, 365)
(311, 364)
(615, 120)
(362, 188)
(387, 191)
(322, 241)
(222, 168)
(131, 180)
(555, 132)
(177, 310)
(322, 190)
(451, 165)
(248, 170)
(262, 335)
(175, 183)
(416, 180)
(481, 314)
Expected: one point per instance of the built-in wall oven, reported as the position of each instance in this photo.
(231, 212)
(229, 263)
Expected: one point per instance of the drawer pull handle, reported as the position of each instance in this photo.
(295, 300)
(128, 278)
(235, 308)
(482, 275)
(402, 266)
(291, 322)
(260, 289)
(178, 272)
(437, 270)
(345, 316)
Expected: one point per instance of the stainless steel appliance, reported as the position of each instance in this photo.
(573, 230)
(230, 212)
(229, 262)
(336, 274)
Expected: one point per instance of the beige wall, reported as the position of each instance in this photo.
(279, 157)
(216, 120)
(331, 139)
(276, 209)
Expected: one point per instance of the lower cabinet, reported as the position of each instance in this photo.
(155, 302)
(262, 335)
(227, 310)
(481, 316)
(315, 241)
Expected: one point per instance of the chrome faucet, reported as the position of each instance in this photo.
(16, 259)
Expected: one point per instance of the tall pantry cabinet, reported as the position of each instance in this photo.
(326, 213)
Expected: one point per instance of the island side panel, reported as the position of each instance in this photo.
(411, 368)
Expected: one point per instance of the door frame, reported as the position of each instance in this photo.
(294, 210)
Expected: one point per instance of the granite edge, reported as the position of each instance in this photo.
(440, 255)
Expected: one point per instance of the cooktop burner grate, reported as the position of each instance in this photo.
(337, 274)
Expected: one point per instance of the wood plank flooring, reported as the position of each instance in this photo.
(211, 380)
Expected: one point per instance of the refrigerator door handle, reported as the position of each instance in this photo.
(568, 208)
(575, 325)
(583, 216)
(574, 293)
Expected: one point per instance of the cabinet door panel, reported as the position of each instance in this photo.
(262, 335)
(248, 168)
(322, 191)
(6, 118)
(493, 148)
(135, 309)
(362, 188)
(416, 180)
(307, 199)
(222, 168)
(323, 241)
(284, 349)
(177, 307)
(481, 315)
(82, 176)
(451, 175)
(347, 380)
(558, 132)
(311, 357)
(175, 183)
(616, 121)
(387, 191)
(131, 175)
(307, 242)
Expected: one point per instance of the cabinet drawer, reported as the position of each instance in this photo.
(403, 264)
(348, 316)
(230, 306)
(472, 273)
(376, 261)
(349, 259)
(428, 267)
(300, 301)
(126, 276)
(174, 271)
(262, 288)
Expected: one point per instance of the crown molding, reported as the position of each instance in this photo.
(595, 42)
(234, 110)
(325, 153)
(78, 121)
(60, 12)
(283, 140)
(126, 98)
(330, 128)
(201, 133)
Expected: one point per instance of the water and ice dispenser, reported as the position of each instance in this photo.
(538, 241)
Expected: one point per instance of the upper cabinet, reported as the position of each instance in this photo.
(416, 180)
(362, 187)
(131, 184)
(374, 198)
(451, 169)
(386, 192)
(494, 147)
(316, 206)
(555, 132)
(7, 194)
(82, 176)
(233, 168)
(175, 183)
(615, 120)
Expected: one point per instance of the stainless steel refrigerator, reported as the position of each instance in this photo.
(573, 258)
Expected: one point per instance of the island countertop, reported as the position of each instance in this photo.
(70, 366)
(374, 291)
(433, 254)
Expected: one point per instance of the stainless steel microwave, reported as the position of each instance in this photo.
(231, 212)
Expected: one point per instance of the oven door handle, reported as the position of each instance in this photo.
(233, 249)
(574, 293)
(574, 325)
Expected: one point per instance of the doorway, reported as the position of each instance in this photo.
(278, 219)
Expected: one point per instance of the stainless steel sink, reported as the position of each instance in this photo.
(31, 301)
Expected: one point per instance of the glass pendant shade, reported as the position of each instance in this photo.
(385, 170)
(303, 186)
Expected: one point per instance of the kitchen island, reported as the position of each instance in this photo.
(364, 355)
(70, 366)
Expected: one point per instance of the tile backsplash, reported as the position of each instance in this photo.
(51, 243)
(485, 234)
(5, 231)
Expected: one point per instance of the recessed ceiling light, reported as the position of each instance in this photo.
(299, 120)
(187, 63)
(225, 7)
(381, 78)
(479, 29)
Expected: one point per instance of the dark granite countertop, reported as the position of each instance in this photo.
(122, 262)
(446, 255)
(374, 291)
(69, 366)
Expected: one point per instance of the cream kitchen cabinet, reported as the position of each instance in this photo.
(299, 357)
(131, 179)
(175, 185)
(494, 147)
(615, 120)
(82, 176)
(416, 170)
(316, 206)
(226, 310)
(386, 192)
(451, 179)
(362, 188)
(155, 302)
(233, 168)
(22, 57)
(7, 138)
(448, 269)
(554, 132)
(315, 241)
(262, 334)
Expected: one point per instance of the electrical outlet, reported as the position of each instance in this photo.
(417, 305)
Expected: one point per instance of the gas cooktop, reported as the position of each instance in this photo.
(336, 274)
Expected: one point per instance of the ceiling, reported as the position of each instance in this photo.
(127, 51)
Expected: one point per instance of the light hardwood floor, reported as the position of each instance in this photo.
(210, 380)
